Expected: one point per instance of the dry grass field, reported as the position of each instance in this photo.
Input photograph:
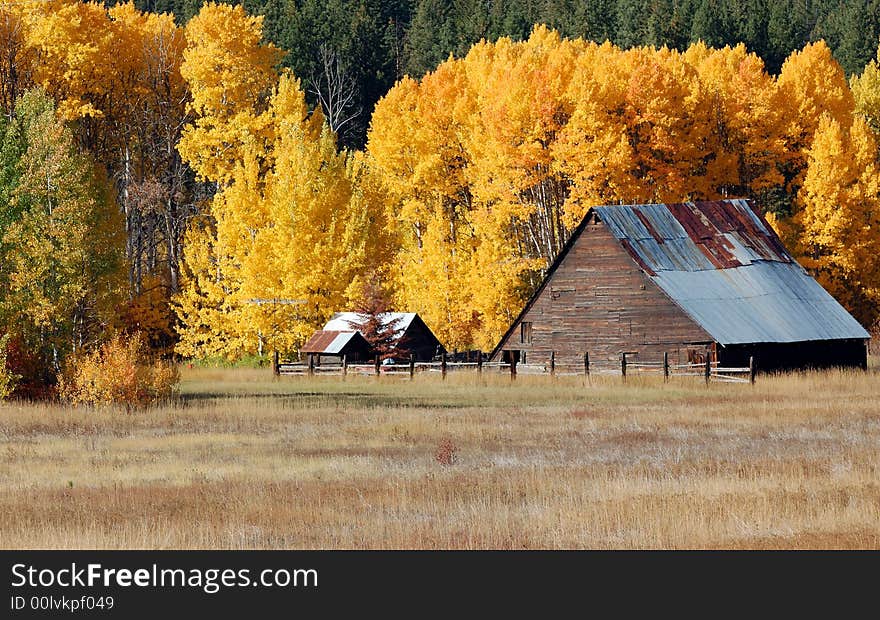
(245, 461)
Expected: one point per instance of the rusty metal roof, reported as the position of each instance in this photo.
(332, 342)
(726, 268)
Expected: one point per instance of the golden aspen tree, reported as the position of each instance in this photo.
(518, 195)
(866, 93)
(18, 61)
(667, 123)
(79, 65)
(811, 84)
(639, 130)
(287, 235)
(303, 254)
(839, 221)
(745, 126)
(231, 74)
(417, 144)
(208, 315)
(593, 149)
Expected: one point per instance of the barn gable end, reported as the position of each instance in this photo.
(683, 279)
(597, 299)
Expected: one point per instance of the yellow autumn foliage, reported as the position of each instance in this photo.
(295, 223)
(473, 178)
(490, 161)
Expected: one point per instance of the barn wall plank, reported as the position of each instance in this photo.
(599, 301)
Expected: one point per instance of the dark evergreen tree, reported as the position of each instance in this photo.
(632, 23)
(669, 24)
(708, 25)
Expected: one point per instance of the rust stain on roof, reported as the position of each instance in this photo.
(637, 257)
(321, 340)
(722, 264)
(650, 227)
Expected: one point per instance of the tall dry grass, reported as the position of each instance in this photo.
(245, 461)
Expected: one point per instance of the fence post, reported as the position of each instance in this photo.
(623, 366)
(552, 363)
(443, 365)
(412, 365)
(665, 366)
(311, 364)
(752, 370)
(344, 365)
(377, 365)
(512, 366)
(479, 362)
(587, 364)
(275, 370)
(708, 370)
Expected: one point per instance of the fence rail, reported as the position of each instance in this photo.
(709, 370)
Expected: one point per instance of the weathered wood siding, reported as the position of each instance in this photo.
(599, 301)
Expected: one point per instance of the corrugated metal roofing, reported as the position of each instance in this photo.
(726, 268)
(342, 321)
(329, 342)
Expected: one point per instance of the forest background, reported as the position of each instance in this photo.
(164, 164)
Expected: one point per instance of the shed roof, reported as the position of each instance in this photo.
(346, 320)
(726, 268)
(333, 342)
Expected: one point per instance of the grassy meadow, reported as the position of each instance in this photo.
(243, 460)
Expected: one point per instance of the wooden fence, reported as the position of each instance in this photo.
(709, 371)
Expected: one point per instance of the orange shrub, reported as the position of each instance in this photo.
(121, 371)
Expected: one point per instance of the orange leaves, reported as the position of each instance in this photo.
(119, 372)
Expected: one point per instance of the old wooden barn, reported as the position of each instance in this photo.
(690, 280)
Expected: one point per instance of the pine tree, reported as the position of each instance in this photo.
(374, 322)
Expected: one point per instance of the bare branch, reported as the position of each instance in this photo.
(336, 90)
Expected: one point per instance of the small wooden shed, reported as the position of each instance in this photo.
(336, 343)
(412, 335)
(689, 280)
